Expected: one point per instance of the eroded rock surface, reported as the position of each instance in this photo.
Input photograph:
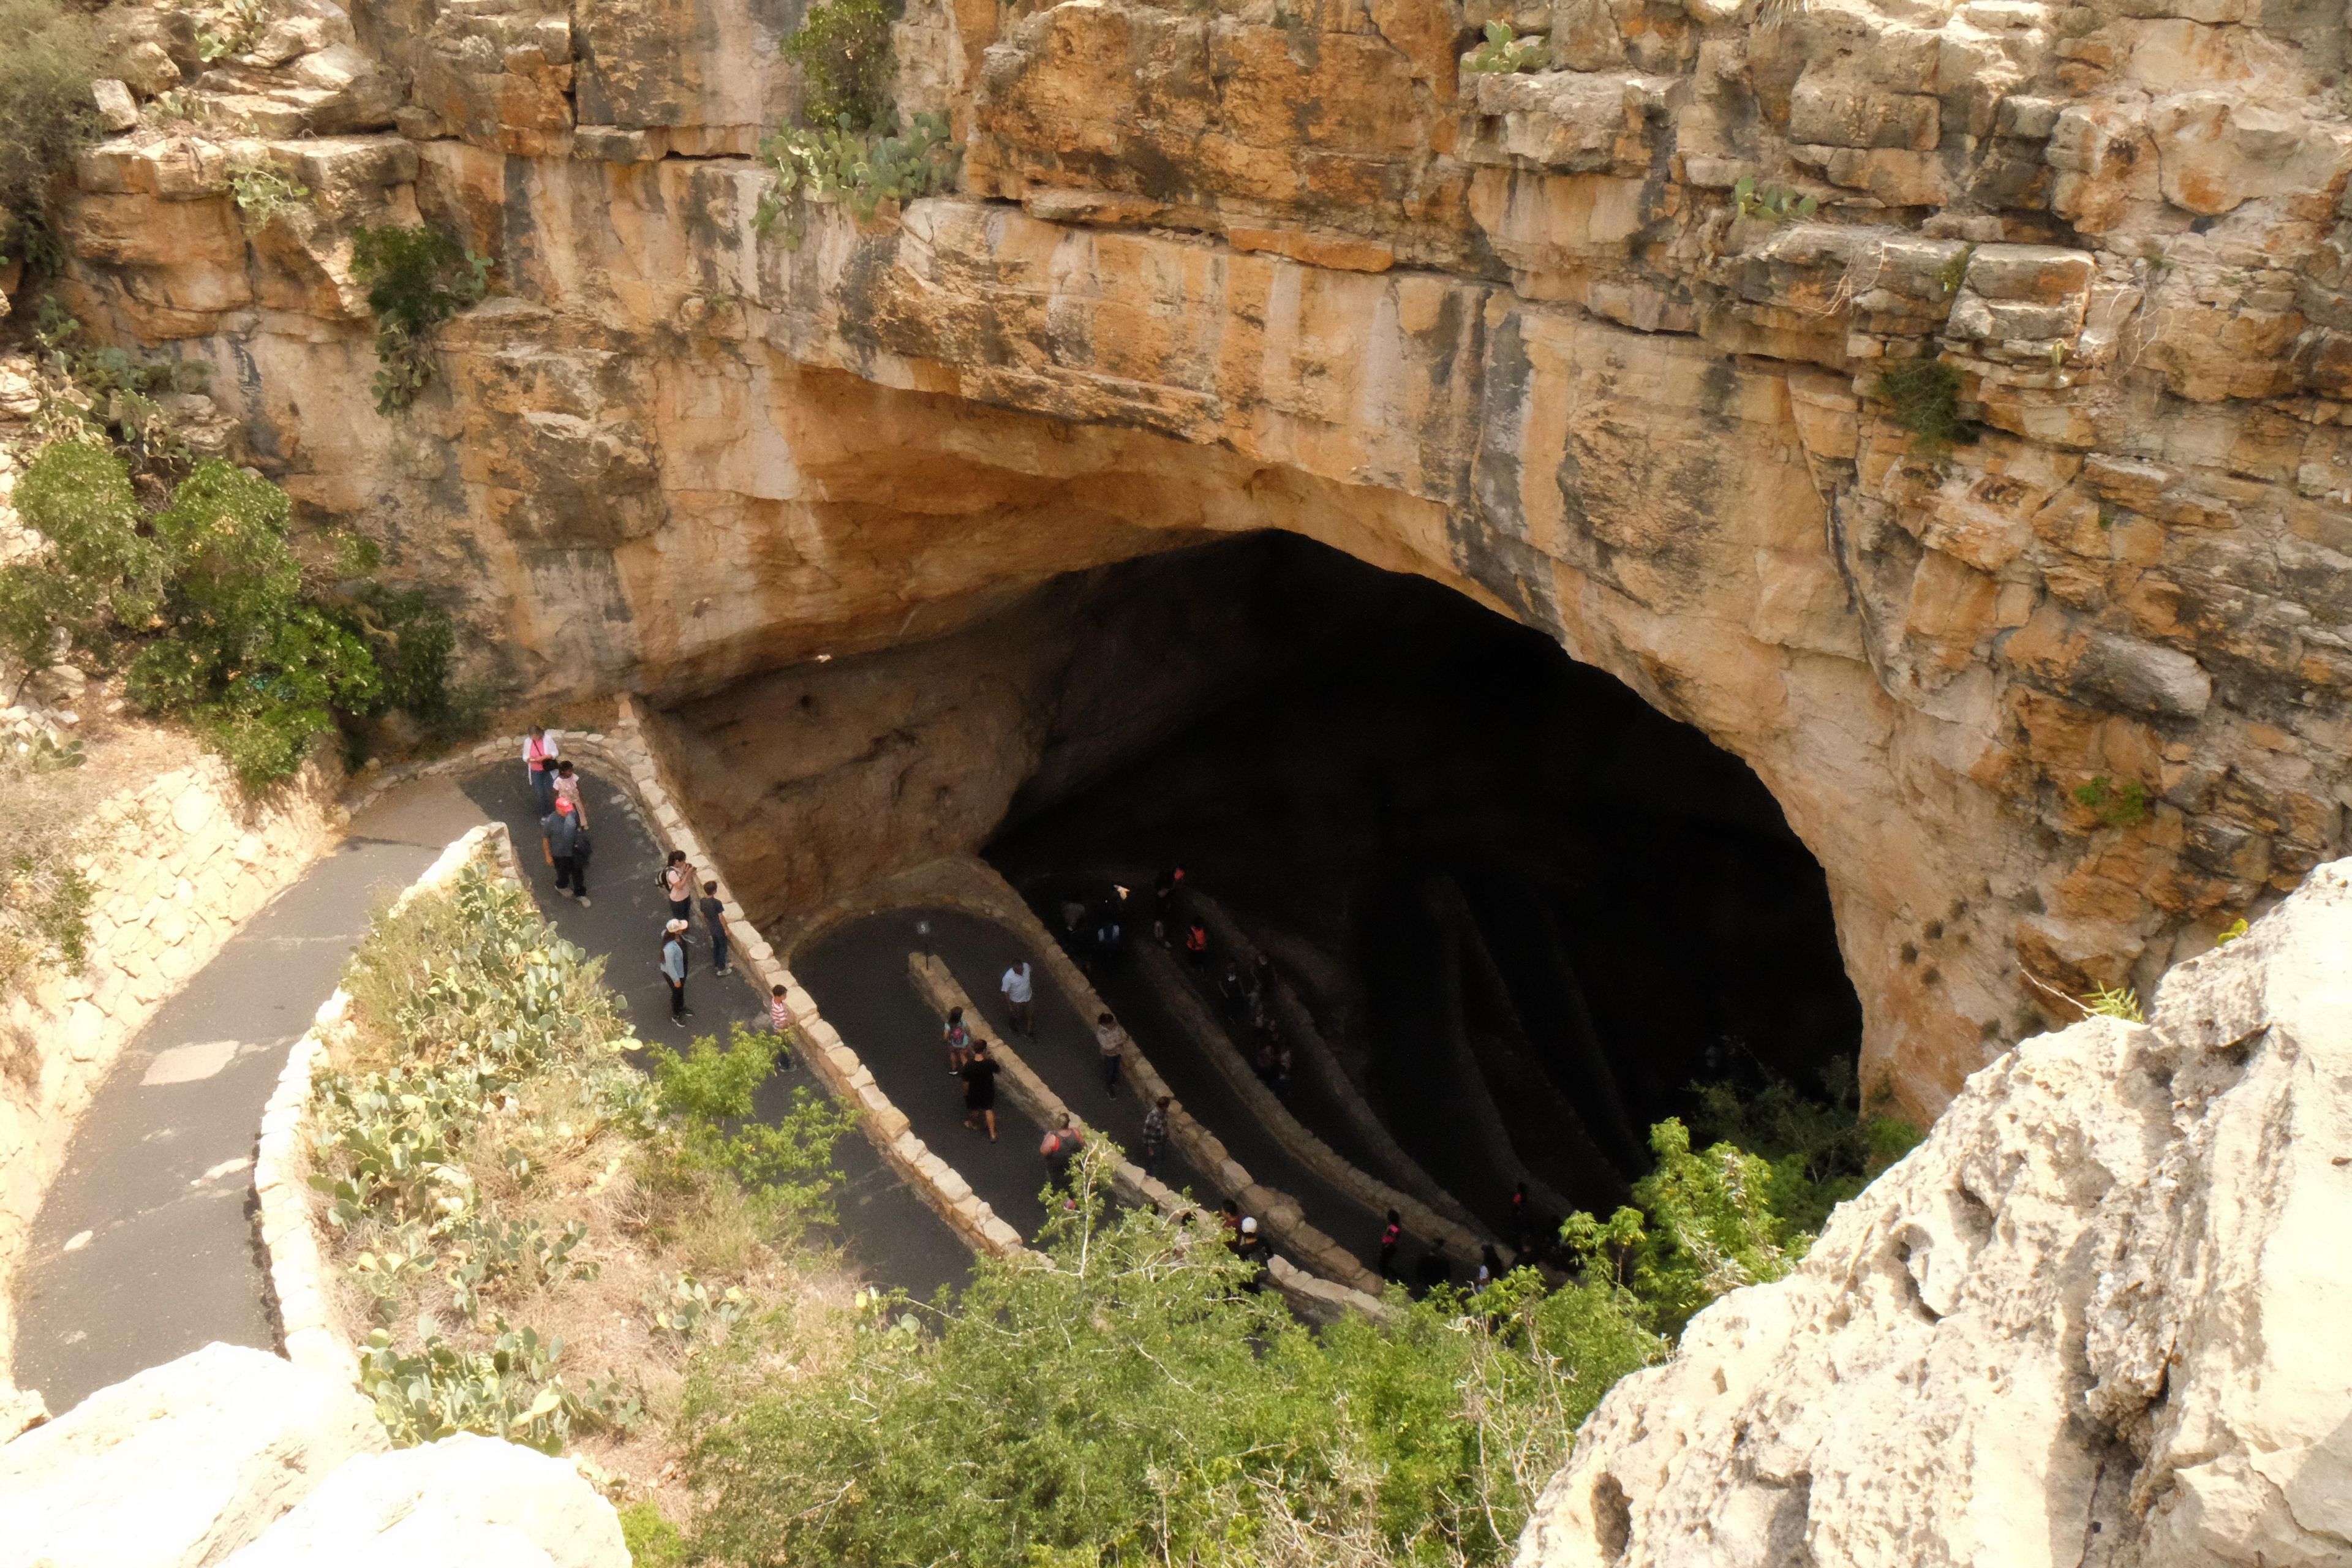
(180, 1466)
(1601, 344)
(2094, 1320)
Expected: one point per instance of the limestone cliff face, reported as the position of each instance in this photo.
(1239, 265)
(2093, 1321)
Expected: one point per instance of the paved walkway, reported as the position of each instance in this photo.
(887, 1232)
(144, 1248)
(858, 973)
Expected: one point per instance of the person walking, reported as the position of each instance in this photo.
(1252, 1250)
(714, 916)
(1020, 997)
(1522, 1219)
(1435, 1270)
(1391, 1235)
(562, 840)
(1110, 1041)
(980, 1091)
(566, 785)
(1196, 946)
(1059, 1147)
(673, 968)
(1490, 1268)
(677, 885)
(1155, 1136)
(958, 1039)
(780, 1019)
(539, 749)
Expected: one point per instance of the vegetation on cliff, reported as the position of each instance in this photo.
(416, 277)
(49, 54)
(187, 576)
(848, 146)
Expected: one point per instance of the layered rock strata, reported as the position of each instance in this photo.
(2093, 1321)
(1601, 344)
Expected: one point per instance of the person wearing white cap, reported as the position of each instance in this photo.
(1252, 1250)
(673, 968)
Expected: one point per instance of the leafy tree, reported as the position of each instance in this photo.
(1822, 1148)
(249, 661)
(211, 608)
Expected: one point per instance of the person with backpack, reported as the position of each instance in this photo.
(673, 968)
(714, 916)
(676, 880)
(563, 839)
(958, 1042)
(1110, 1043)
(1155, 1136)
(980, 1091)
(1060, 1147)
(539, 765)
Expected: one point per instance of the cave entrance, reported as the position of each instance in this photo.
(1524, 909)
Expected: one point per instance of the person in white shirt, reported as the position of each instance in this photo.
(538, 751)
(1018, 995)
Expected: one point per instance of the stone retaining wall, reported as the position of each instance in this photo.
(179, 864)
(301, 1306)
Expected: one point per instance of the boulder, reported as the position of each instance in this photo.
(180, 1466)
(464, 1500)
(2095, 1318)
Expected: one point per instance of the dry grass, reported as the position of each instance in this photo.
(546, 1155)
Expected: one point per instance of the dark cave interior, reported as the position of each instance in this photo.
(1523, 908)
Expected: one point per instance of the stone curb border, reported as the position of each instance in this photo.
(630, 764)
(975, 886)
(1310, 1151)
(1317, 1299)
(296, 1276)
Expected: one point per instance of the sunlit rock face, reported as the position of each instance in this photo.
(2087, 1323)
(1599, 344)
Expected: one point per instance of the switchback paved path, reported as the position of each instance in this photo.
(144, 1248)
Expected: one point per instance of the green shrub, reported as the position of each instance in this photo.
(1504, 51)
(1823, 1149)
(653, 1542)
(847, 146)
(1923, 396)
(2118, 805)
(49, 53)
(261, 191)
(707, 1095)
(213, 614)
(416, 277)
(2115, 1003)
(843, 47)
(99, 571)
(1129, 1398)
(1777, 202)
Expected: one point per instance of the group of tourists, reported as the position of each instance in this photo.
(566, 844)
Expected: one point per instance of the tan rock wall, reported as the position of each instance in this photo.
(1524, 332)
(179, 864)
